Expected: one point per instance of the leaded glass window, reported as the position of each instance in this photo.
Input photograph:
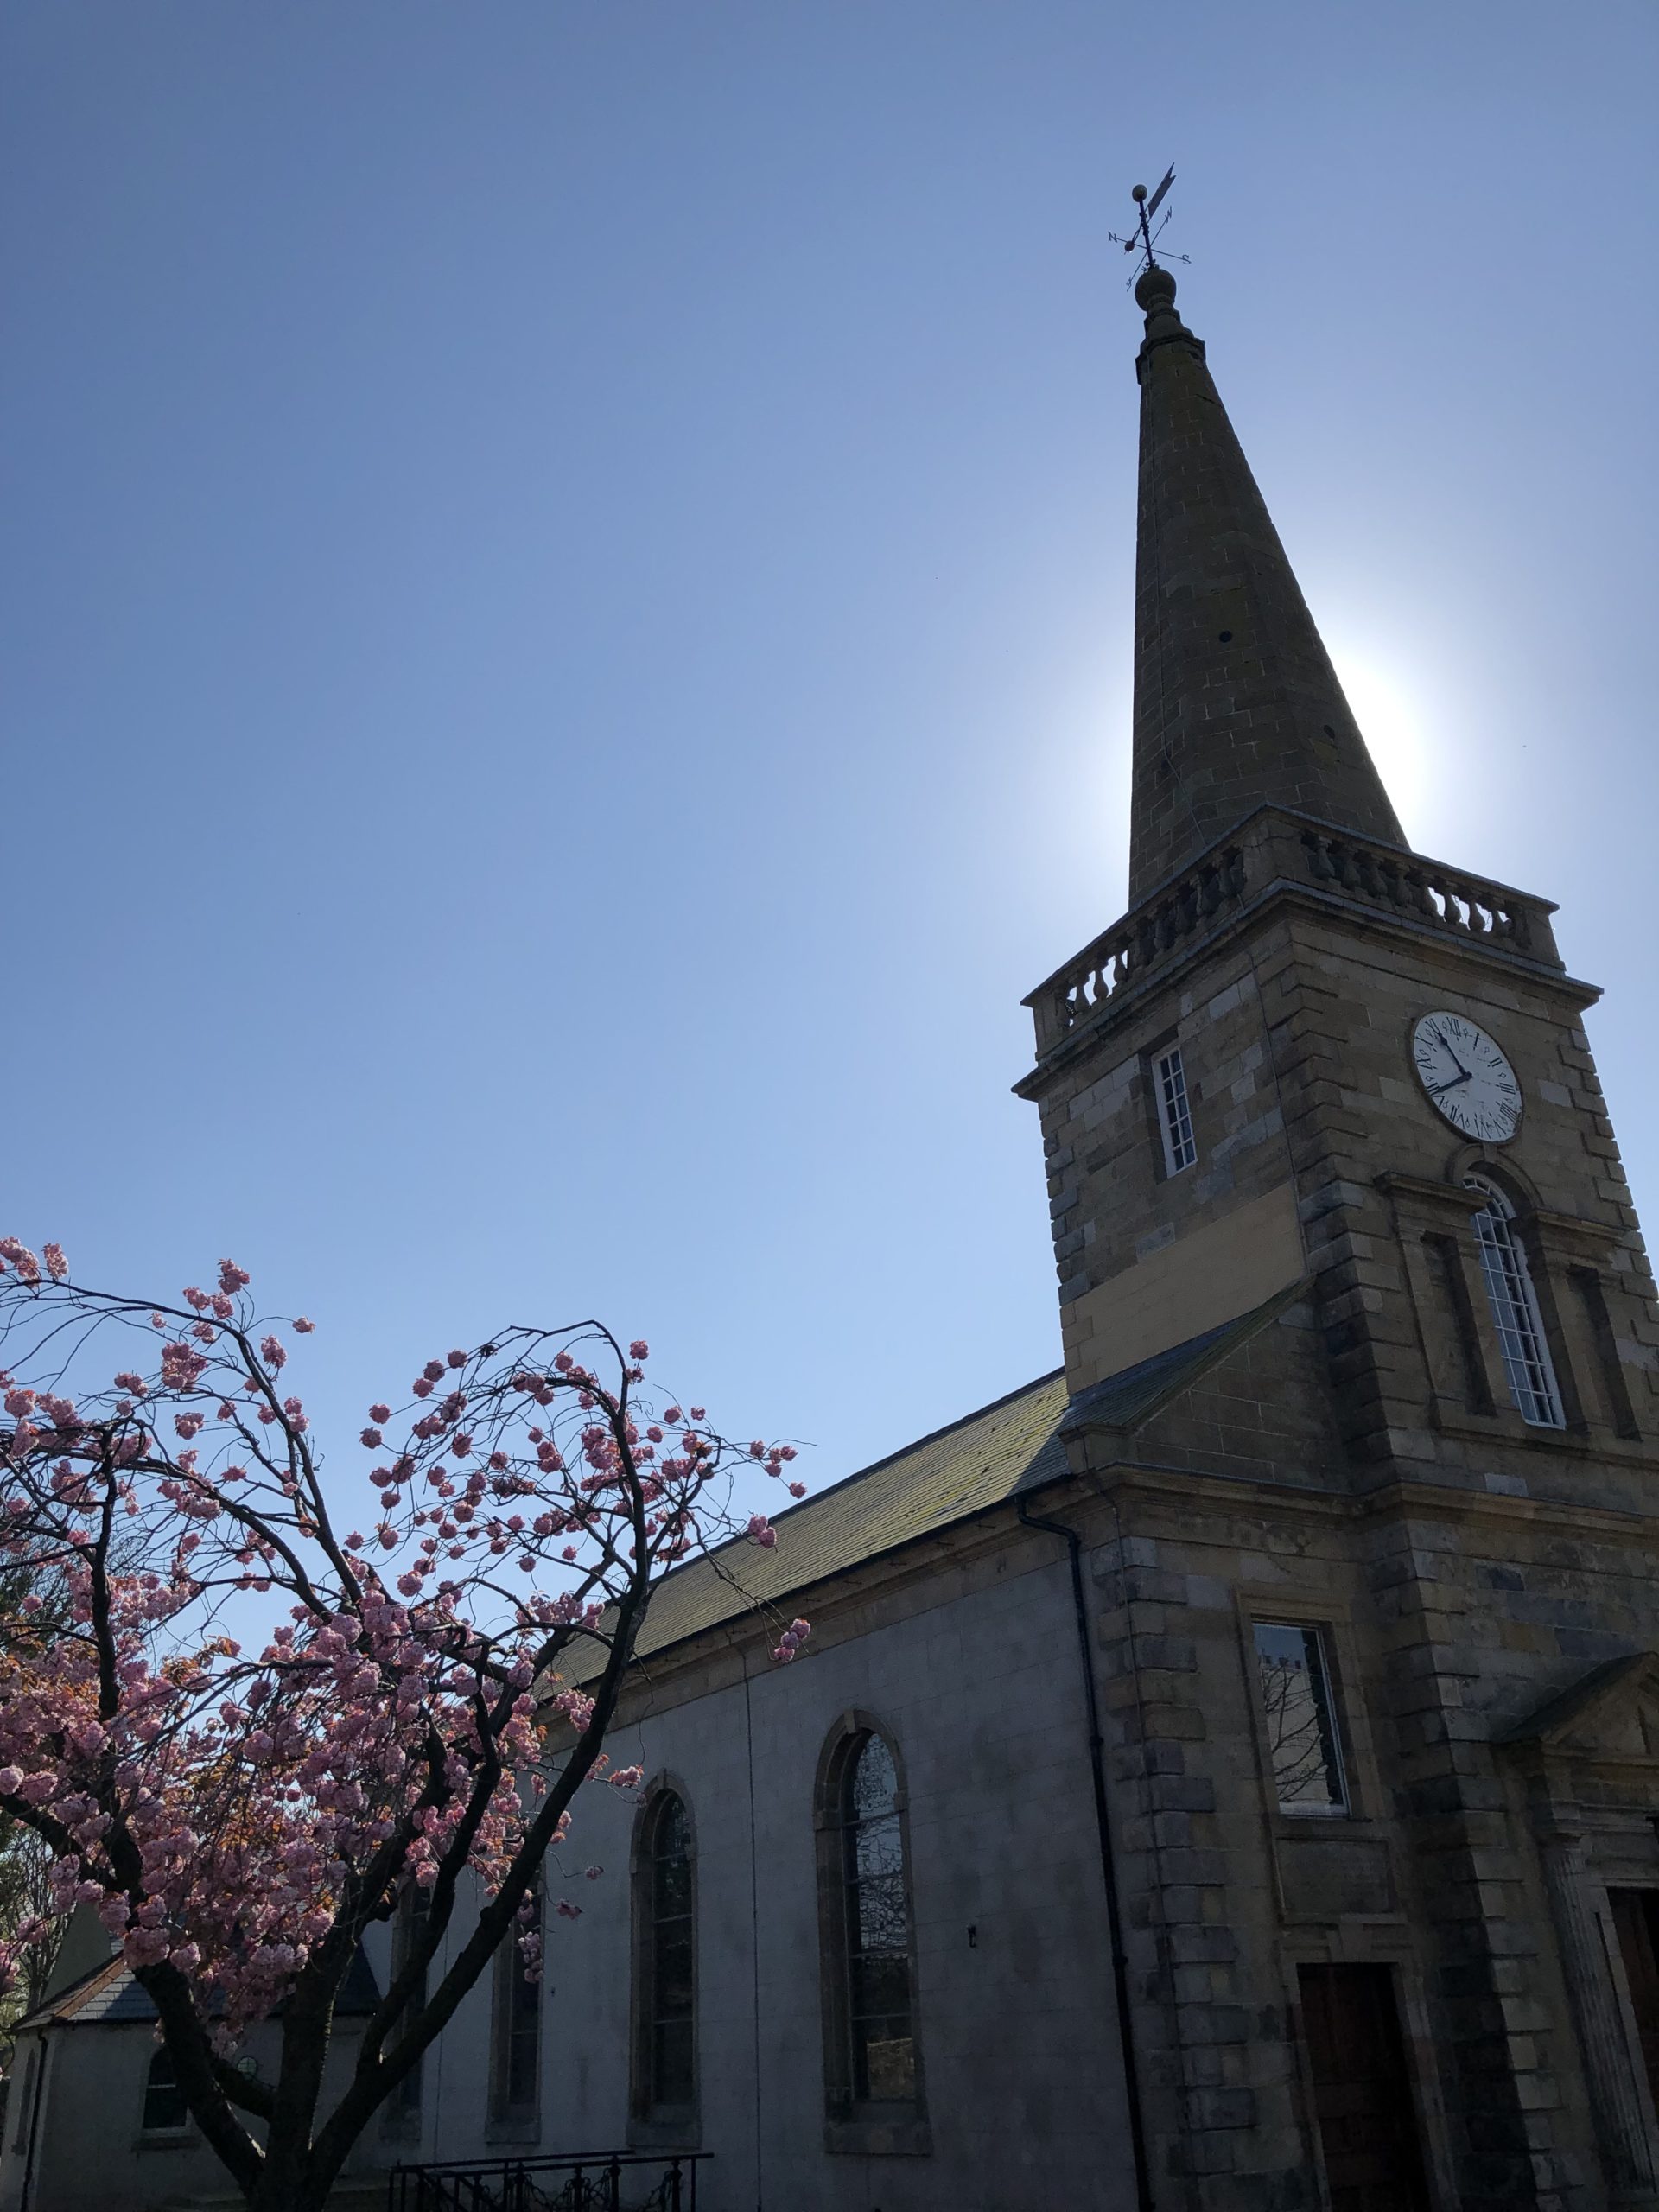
(670, 2024)
(1516, 1316)
(883, 2050)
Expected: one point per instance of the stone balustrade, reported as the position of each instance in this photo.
(1446, 899)
(1276, 848)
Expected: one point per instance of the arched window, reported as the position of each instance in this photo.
(872, 2067)
(1515, 1314)
(165, 2110)
(881, 2048)
(666, 2074)
(515, 2058)
(401, 2113)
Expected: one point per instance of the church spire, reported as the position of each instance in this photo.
(1235, 702)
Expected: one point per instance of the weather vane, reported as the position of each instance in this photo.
(1143, 237)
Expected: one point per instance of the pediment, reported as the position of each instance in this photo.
(1609, 1713)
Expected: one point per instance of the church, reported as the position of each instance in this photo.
(1224, 1774)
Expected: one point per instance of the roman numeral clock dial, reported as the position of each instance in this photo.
(1467, 1077)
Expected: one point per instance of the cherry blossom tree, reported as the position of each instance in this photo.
(432, 1691)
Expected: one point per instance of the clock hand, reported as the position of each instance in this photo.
(1439, 1089)
(1440, 1040)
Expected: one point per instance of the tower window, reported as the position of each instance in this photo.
(1302, 1741)
(1515, 1315)
(1175, 1118)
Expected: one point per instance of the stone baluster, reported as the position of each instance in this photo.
(1621, 2119)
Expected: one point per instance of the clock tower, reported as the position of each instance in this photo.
(1361, 1343)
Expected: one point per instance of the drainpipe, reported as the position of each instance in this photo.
(1108, 1857)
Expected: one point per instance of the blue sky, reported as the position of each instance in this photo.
(565, 612)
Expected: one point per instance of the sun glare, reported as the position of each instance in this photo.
(1392, 723)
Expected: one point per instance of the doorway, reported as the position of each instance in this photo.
(1363, 2096)
(1636, 1923)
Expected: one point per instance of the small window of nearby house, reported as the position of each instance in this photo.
(516, 2059)
(165, 2110)
(665, 2072)
(1304, 1745)
(1174, 1114)
(1515, 1314)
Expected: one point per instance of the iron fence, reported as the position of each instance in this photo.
(605, 2180)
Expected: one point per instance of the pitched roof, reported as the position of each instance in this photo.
(1010, 1446)
(1013, 1446)
(110, 1996)
(1128, 1398)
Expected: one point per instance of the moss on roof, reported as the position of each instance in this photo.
(1010, 1446)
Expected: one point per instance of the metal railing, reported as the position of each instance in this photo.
(601, 2181)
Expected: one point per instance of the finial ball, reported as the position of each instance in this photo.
(1156, 291)
(1138, 193)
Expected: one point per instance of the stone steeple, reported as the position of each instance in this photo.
(1237, 704)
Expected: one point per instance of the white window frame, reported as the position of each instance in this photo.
(1517, 1318)
(1174, 1112)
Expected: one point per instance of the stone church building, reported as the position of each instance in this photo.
(1225, 1774)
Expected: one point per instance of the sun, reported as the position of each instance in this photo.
(1392, 722)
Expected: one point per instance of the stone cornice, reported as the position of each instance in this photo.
(1273, 857)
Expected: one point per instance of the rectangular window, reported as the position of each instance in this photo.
(1303, 1743)
(1174, 1118)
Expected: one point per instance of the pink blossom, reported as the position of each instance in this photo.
(371, 1439)
(56, 1266)
(273, 1353)
(232, 1278)
(378, 1413)
(302, 1327)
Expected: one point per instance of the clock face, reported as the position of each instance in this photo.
(1467, 1077)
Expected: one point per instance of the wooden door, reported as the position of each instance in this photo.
(1361, 2089)
(1636, 1918)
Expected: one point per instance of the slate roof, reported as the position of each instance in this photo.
(1125, 1399)
(1010, 1446)
(111, 1997)
(1014, 1444)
